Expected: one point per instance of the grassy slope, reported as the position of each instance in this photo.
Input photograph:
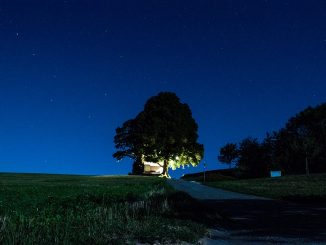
(296, 188)
(63, 209)
(212, 175)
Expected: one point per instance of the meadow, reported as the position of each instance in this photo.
(70, 209)
(297, 188)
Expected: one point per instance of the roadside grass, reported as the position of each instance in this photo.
(299, 188)
(209, 177)
(213, 175)
(67, 209)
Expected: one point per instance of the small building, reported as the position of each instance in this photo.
(151, 168)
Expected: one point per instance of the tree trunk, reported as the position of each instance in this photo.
(307, 166)
(165, 173)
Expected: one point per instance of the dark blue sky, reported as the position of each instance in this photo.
(72, 71)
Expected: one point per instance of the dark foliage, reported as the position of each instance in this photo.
(303, 142)
(252, 159)
(137, 167)
(164, 132)
(228, 154)
(299, 147)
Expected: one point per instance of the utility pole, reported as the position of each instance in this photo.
(204, 171)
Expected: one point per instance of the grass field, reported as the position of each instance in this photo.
(213, 175)
(299, 188)
(63, 209)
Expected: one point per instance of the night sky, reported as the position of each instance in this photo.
(73, 71)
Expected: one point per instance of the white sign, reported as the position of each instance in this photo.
(276, 174)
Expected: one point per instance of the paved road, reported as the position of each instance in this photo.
(202, 192)
(256, 220)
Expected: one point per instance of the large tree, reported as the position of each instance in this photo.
(303, 141)
(128, 141)
(164, 132)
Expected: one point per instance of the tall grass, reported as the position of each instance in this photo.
(90, 210)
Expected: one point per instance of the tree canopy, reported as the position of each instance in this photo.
(164, 132)
(297, 148)
(228, 154)
(303, 141)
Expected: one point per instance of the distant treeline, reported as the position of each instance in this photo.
(299, 147)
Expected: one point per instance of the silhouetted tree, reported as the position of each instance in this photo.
(228, 154)
(269, 149)
(138, 167)
(164, 132)
(306, 134)
(252, 159)
(299, 147)
(129, 141)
